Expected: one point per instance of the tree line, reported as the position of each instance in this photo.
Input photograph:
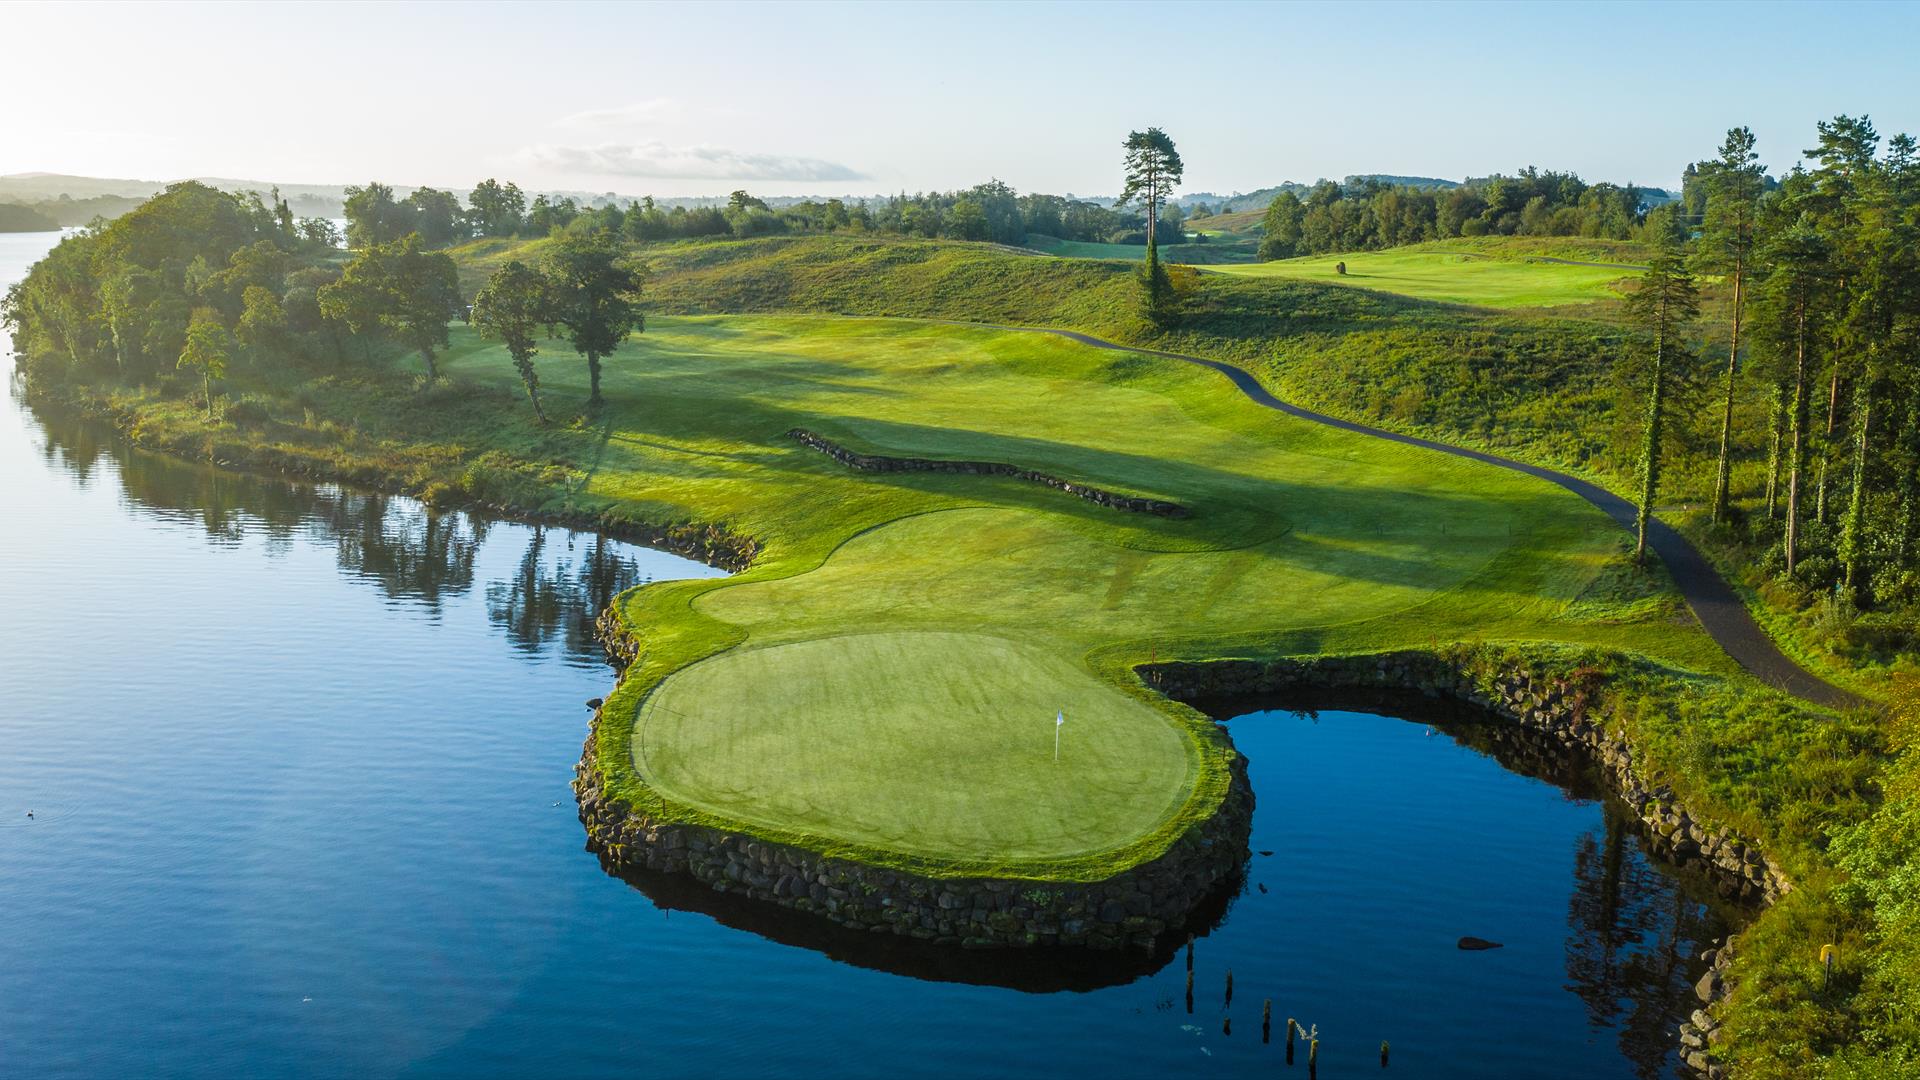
(992, 212)
(1820, 274)
(1369, 213)
(196, 279)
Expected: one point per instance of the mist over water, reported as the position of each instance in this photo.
(298, 760)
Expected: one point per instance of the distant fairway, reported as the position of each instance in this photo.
(881, 685)
(1225, 249)
(1459, 272)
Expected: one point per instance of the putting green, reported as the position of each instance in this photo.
(812, 736)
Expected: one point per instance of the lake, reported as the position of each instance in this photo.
(298, 758)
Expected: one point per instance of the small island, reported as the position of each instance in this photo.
(15, 218)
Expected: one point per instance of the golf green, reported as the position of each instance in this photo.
(814, 736)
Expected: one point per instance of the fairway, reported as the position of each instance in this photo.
(1449, 273)
(882, 682)
(1216, 249)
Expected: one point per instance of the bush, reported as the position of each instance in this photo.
(248, 410)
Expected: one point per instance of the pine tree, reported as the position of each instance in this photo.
(1726, 245)
(1666, 301)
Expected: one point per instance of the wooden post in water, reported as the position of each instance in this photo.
(1226, 1025)
(1266, 1021)
(1189, 952)
(1313, 1059)
(1291, 1028)
(1189, 992)
(1229, 1001)
(1383, 1053)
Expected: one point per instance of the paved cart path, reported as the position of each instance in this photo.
(1712, 599)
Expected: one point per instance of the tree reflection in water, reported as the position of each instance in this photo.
(556, 594)
(1633, 934)
(411, 553)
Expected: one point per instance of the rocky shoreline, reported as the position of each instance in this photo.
(1141, 907)
(879, 463)
(1553, 708)
(1134, 909)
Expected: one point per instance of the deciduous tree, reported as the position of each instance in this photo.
(510, 309)
(595, 294)
(206, 350)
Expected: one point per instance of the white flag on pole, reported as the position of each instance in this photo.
(1059, 718)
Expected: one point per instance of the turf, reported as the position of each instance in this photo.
(964, 763)
(1463, 272)
(983, 604)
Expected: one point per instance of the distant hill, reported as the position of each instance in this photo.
(76, 200)
(112, 196)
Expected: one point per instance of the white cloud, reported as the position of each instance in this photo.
(620, 116)
(658, 161)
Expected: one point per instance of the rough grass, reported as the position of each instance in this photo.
(1239, 222)
(1479, 272)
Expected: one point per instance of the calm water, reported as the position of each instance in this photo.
(298, 762)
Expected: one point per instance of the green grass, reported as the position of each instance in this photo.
(1241, 223)
(818, 736)
(1461, 272)
(1302, 539)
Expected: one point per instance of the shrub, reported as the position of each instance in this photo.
(248, 410)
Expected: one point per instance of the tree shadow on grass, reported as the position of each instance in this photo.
(1326, 526)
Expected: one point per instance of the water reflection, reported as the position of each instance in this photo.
(1630, 928)
(559, 589)
(1033, 971)
(1635, 927)
(413, 554)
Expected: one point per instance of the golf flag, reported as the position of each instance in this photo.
(1059, 718)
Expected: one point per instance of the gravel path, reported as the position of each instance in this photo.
(1713, 601)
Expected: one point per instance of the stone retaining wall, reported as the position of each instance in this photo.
(1142, 906)
(1556, 710)
(1136, 908)
(877, 463)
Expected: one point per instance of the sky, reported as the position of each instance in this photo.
(823, 99)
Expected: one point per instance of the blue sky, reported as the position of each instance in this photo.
(678, 99)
